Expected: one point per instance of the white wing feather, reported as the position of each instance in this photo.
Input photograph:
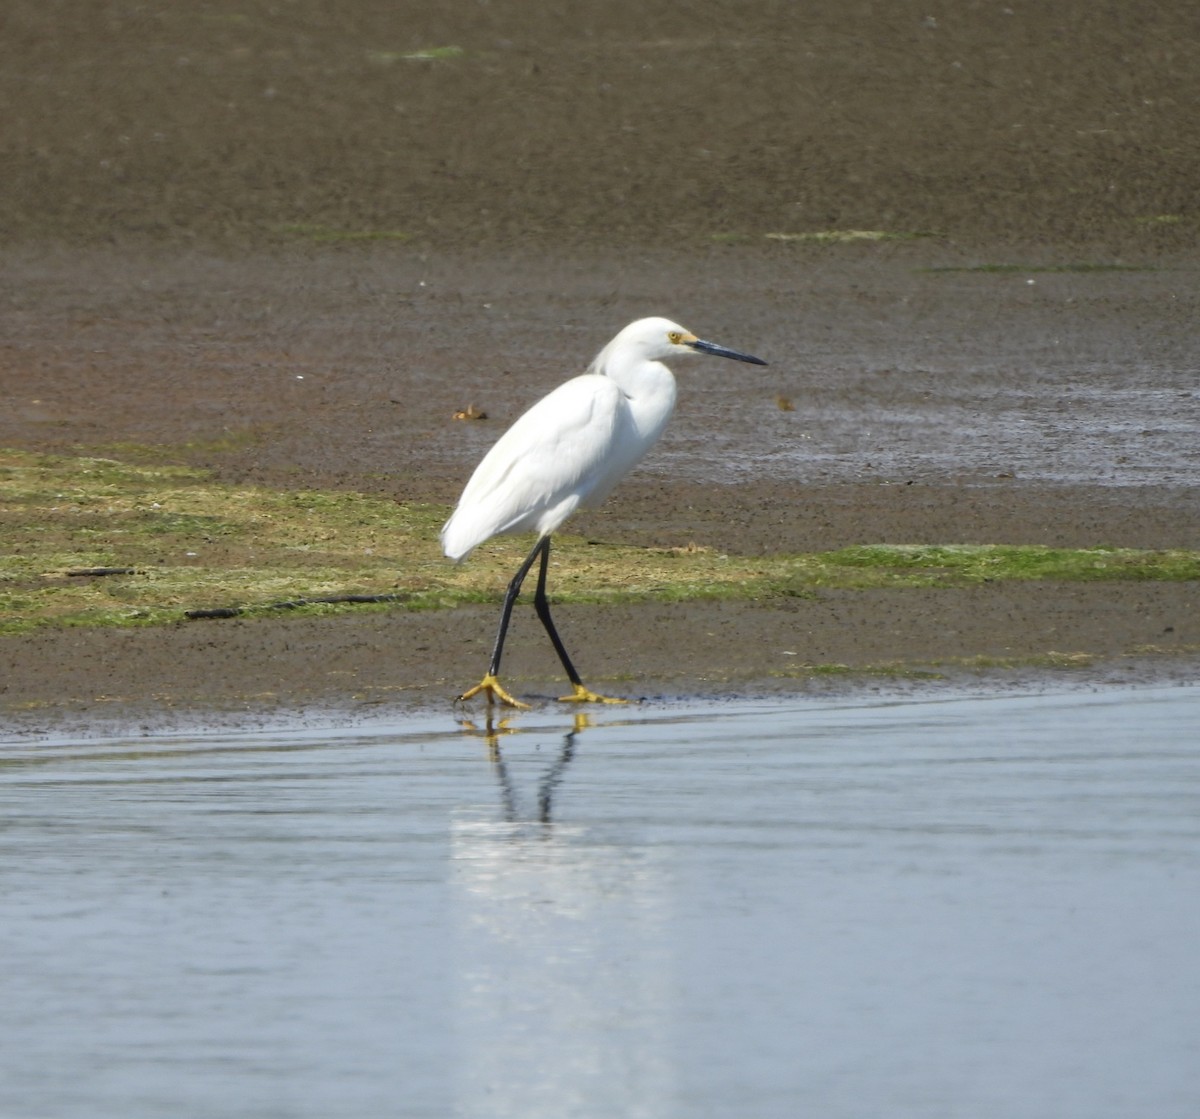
(572, 445)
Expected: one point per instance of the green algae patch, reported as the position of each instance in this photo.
(1079, 267)
(428, 54)
(964, 565)
(174, 540)
(105, 542)
(849, 236)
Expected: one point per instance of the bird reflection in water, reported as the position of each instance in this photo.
(563, 967)
(491, 732)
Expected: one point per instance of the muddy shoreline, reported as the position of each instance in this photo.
(278, 371)
(317, 671)
(287, 247)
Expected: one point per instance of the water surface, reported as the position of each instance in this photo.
(983, 907)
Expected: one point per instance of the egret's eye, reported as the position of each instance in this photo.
(674, 337)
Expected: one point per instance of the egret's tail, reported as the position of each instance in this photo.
(458, 541)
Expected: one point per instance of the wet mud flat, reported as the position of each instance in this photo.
(904, 404)
(288, 244)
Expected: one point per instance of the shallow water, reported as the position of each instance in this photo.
(983, 907)
(1112, 426)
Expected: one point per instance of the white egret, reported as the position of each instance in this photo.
(568, 452)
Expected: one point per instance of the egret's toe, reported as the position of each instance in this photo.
(491, 687)
(580, 694)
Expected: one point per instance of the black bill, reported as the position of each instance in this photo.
(721, 351)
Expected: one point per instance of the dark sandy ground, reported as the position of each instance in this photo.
(171, 172)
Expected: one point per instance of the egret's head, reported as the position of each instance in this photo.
(657, 338)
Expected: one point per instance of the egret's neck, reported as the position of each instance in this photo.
(649, 387)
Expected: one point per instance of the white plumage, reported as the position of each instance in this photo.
(573, 446)
(569, 451)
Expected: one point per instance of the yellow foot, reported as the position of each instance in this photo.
(584, 695)
(491, 687)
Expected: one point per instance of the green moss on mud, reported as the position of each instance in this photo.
(192, 543)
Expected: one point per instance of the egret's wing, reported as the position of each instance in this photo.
(550, 459)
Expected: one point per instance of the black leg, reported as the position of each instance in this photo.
(579, 693)
(542, 605)
(490, 685)
(510, 597)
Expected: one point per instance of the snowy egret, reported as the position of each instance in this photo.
(569, 451)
